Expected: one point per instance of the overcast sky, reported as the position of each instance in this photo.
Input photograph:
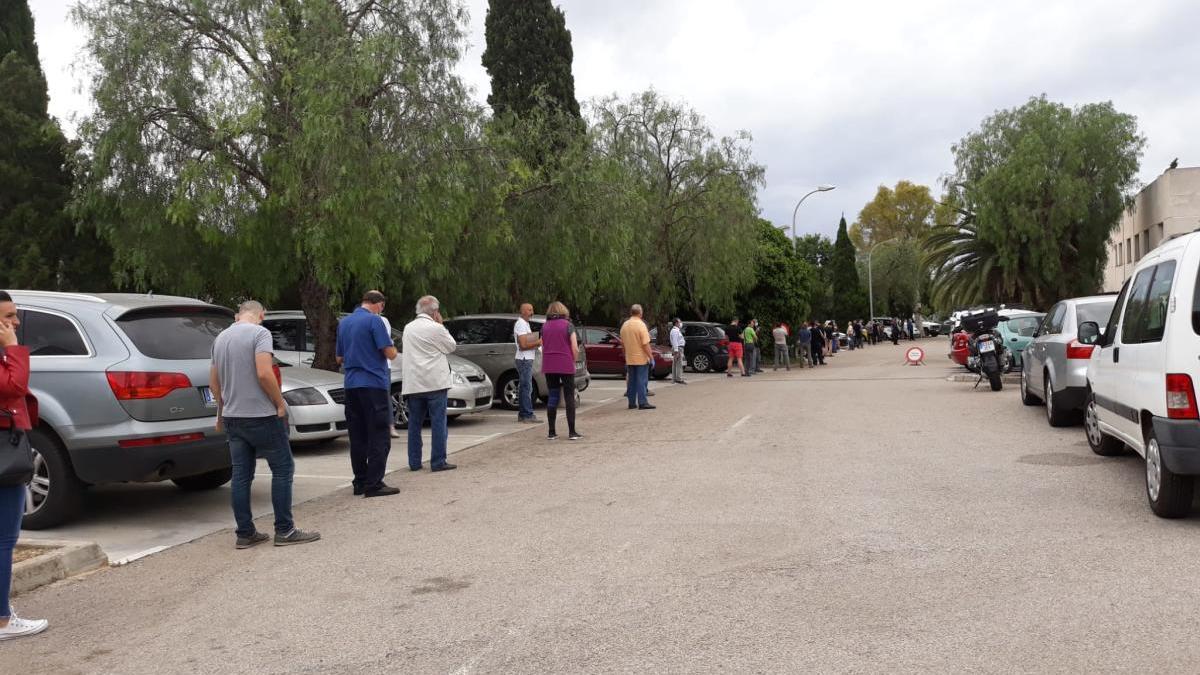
(857, 94)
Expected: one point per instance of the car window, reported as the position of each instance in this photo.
(695, 331)
(1094, 311)
(1024, 326)
(1110, 328)
(470, 331)
(48, 334)
(285, 334)
(1134, 308)
(1154, 315)
(595, 335)
(1058, 316)
(174, 332)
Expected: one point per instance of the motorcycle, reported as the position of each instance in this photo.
(988, 356)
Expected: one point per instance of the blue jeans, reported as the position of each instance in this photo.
(637, 380)
(525, 389)
(431, 404)
(249, 439)
(12, 507)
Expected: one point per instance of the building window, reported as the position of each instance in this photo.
(1128, 251)
(1137, 247)
(1158, 234)
(1146, 242)
(1117, 255)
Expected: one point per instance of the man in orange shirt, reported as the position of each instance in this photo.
(635, 340)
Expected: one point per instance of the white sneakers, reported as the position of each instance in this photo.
(18, 627)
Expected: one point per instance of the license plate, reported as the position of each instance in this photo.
(986, 347)
(209, 400)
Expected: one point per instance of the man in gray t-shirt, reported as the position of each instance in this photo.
(252, 412)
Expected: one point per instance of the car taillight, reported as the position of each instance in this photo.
(129, 386)
(1181, 397)
(278, 375)
(159, 440)
(1078, 350)
(723, 342)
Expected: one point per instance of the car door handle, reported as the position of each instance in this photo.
(1116, 354)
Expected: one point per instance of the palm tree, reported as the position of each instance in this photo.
(966, 269)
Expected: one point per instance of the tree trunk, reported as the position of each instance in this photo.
(314, 300)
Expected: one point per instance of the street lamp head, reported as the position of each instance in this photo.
(826, 188)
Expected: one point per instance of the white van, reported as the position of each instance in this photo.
(1141, 377)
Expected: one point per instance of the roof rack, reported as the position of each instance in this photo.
(84, 297)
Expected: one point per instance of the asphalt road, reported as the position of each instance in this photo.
(862, 517)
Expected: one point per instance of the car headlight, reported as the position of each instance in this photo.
(457, 378)
(305, 396)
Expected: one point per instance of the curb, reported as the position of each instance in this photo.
(1009, 378)
(65, 559)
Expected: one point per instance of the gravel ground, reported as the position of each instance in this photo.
(861, 517)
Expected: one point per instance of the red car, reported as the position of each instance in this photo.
(959, 348)
(605, 355)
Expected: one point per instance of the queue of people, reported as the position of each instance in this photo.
(814, 342)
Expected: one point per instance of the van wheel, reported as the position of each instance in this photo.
(204, 481)
(1100, 443)
(55, 495)
(1170, 494)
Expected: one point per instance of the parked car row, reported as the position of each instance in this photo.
(1127, 365)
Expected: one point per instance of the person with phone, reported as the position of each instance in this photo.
(427, 383)
(16, 399)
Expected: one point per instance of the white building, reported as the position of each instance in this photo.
(1168, 207)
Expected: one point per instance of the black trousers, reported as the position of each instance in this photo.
(562, 388)
(369, 420)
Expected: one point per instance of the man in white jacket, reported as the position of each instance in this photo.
(426, 382)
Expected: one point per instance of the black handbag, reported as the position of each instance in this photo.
(16, 456)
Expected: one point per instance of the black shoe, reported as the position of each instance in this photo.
(382, 491)
(552, 437)
(358, 489)
(633, 407)
(415, 468)
(575, 436)
(444, 467)
(253, 540)
(647, 407)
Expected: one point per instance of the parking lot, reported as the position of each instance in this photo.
(132, 520)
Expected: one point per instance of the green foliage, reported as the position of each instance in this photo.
(241, 148)
(783, 280)
(690, 206)
(896, 275)
(529, 58)
(847, 290)
(1037, 189)
(906, 212)
(43, 247)
(817, 251)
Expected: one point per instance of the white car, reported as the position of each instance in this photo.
(313, 414)
(1141, 377)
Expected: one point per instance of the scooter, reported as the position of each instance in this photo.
(988, 355)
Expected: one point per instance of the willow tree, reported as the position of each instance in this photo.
(244, 147)
(691, 205)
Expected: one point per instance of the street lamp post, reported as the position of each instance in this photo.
(870, 279)
(820, 188)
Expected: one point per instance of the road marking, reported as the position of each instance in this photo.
(740, 422)
(267, 474)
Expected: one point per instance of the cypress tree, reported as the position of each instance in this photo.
(847, 290)
(528, 56)
(39, 240)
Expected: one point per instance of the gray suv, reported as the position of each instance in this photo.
(487, 341)
(122, 388)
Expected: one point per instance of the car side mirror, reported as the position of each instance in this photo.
(1089, 333)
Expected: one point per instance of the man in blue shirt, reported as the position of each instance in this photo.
(364, 348)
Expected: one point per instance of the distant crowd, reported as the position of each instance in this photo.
(813, 342)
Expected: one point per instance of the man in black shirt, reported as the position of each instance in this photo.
(818, 345)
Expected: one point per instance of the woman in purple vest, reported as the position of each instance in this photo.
(560, 349)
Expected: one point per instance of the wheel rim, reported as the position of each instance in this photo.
(512, 393)
(1153, 469)
(701, 362)
(1024, 386)
(400, 407)
(1049, 399)
(1091, 424)
(38, 489)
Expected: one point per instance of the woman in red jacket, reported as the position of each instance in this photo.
(14, 397)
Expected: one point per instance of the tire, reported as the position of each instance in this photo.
(507, 392)
(1056, 416)
(1026, 396)
(702, 362)
(1101, 443)
(1169, 494)
(204, 481)
(55, 495)
(399, 409)
(995, 379)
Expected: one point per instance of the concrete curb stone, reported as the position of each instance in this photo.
(64, 559)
